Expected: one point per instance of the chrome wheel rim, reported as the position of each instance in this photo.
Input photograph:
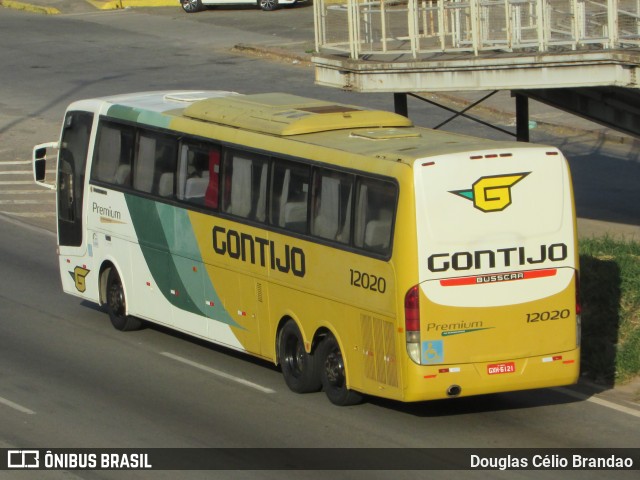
(295, 356)
(334, 369)
(116, 299)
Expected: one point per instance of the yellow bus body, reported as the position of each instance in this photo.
(450, 267)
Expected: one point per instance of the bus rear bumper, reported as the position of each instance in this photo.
(435, 382)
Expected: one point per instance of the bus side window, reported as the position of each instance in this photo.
(198, 174)
(289, 196)
(374, 215)
(331, 205)
(112, 163)
(155, 164)
(211, 194)
(245, 185)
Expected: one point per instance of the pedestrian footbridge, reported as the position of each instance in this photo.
(581, 56)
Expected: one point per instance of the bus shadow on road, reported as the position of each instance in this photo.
(479, 404)
(184, 337)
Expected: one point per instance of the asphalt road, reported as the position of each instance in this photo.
(67, 379)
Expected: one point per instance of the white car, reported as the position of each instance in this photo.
(192, 6)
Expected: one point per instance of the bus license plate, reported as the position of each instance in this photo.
(498, 368)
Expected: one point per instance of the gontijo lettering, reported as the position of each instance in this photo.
(498, 258)
(247, 248)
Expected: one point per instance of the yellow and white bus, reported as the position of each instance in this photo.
(362, 254)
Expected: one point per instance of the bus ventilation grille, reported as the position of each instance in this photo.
(379, 349)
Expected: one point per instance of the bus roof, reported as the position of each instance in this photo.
(375, 133)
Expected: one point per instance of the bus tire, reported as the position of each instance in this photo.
(300, 369)
(333, 374)
(117, 305)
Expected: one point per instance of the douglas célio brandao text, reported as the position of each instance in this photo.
(568, 461)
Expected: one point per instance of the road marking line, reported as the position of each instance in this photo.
(17, 182)
(29, 214)
(15, 406)
(26, 192)
(15, 162)
(17, 172)
(23, 202)
(599, 401)
(10, 218)
(241, 381)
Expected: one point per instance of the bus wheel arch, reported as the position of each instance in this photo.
(105, 268)
(333, 373)
(113, 297)
(299, 368)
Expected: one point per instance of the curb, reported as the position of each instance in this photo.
(98, 4)
(274, 53)
(119, 4)
(29, 7)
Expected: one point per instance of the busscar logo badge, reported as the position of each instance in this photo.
(79, 275)
(492, 193)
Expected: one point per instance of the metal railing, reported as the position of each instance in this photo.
(416, 27)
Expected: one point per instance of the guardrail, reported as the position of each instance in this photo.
(399, 27)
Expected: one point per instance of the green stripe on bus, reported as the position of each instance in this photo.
(139, 116)
(170, 249)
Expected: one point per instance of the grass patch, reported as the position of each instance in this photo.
(610, 294)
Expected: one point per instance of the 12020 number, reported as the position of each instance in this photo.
(368, 281)
(544, 316)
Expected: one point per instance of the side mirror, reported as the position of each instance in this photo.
(40, 164)
(40, 169)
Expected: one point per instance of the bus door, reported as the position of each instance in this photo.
(72, 159)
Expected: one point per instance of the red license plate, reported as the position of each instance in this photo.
(499, 368)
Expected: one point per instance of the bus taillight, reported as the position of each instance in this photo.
(578, 312)
(412, 322)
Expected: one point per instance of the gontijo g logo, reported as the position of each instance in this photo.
(492, 193)
(79, 276)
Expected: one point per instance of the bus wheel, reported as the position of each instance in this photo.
(333, 374)
(300, 369)
(117, 305)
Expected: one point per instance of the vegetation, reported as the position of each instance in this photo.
(610, 294)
